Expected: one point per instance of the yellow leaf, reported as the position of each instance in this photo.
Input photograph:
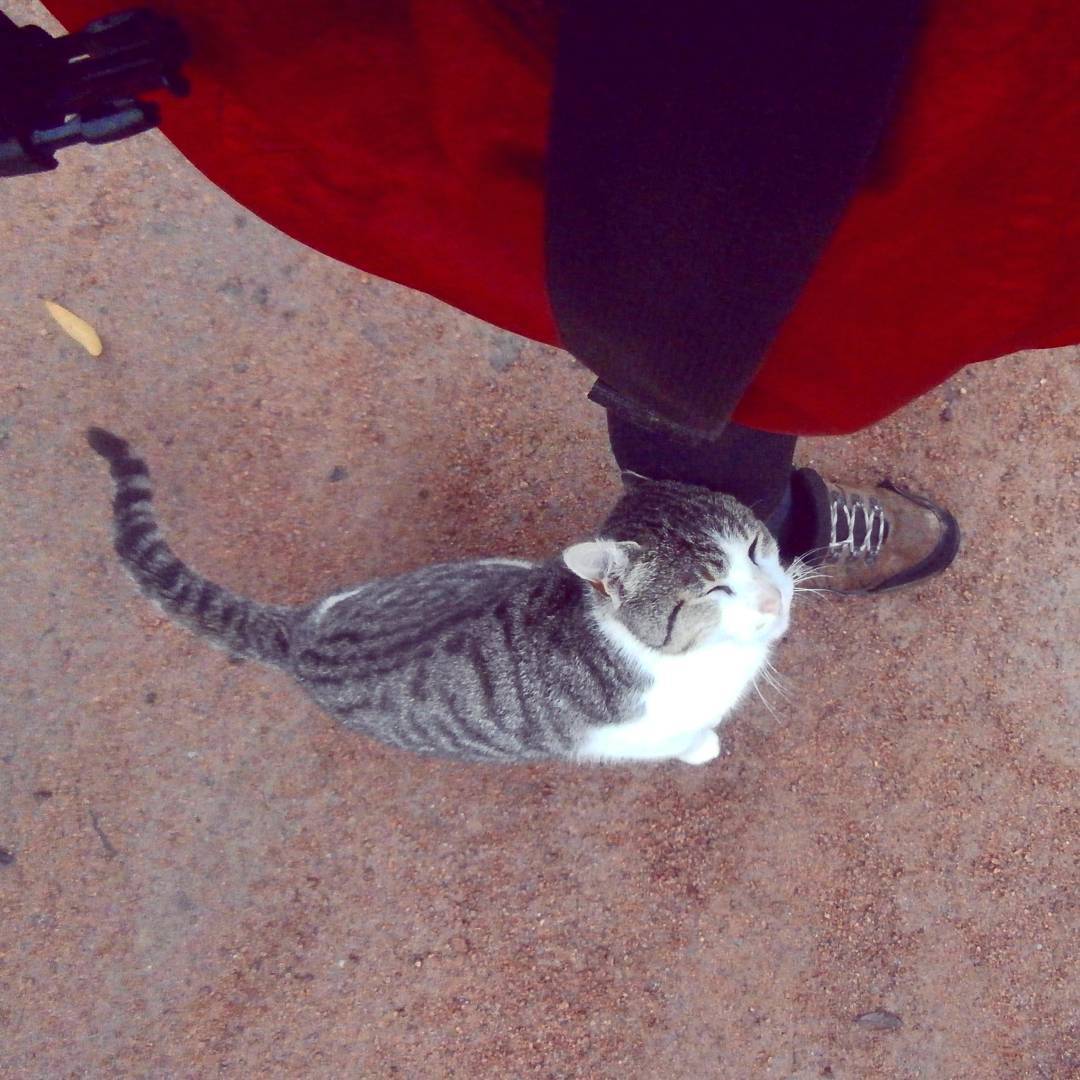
(76, 328)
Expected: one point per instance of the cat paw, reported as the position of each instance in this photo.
(705, 749)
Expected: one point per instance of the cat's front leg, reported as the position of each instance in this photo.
(705, 749)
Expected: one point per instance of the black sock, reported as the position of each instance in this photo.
(800, 531)
(754, 466)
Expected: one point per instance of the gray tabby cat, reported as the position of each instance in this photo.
(631, 646)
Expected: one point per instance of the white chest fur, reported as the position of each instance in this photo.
(690, 696)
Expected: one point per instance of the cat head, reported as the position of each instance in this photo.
(682, 566)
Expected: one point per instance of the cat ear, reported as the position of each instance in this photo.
(601, 563)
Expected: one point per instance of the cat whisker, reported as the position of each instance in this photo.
(781, 683)
(765, 701)
(775, 680)
(780, 691)
(803, 563)
(804, 571)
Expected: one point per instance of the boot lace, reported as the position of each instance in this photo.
(858, 527)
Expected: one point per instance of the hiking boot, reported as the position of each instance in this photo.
(874, 540)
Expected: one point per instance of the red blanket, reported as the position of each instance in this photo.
(408, 138)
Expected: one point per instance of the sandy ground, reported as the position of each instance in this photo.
(201, 875)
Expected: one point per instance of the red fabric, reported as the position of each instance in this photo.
(408, 138)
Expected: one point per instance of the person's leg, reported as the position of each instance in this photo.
(754, 466)
(698, 164)
(700, 157)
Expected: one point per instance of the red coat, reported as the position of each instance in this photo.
(408, 138)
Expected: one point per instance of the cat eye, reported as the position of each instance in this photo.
(753, 550)
(721, 588)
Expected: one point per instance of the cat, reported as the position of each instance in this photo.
(632, 646)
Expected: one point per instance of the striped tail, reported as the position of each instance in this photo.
(243, 627)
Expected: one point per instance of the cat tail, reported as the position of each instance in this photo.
(242, 627)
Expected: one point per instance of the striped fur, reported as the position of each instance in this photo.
(485, 660)
(231, 622)
(475, 660)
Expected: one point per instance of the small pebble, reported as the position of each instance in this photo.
(6, 857)
(337, 473)
(879, 1020)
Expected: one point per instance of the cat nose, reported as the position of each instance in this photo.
(769, 602)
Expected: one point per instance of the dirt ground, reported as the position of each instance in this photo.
(201, 875)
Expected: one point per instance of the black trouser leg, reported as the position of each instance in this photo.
(700, 157)
(754, 466)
